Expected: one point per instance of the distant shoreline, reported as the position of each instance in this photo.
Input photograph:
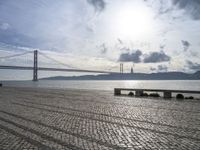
(132, 76)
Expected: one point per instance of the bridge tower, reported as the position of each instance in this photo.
(35, 66)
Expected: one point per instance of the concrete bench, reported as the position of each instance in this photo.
(166, 93)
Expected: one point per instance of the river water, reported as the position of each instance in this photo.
(109, 85)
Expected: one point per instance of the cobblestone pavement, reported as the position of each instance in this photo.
(81, 119)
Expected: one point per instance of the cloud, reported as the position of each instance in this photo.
(125, 49)
(131, 56)
(137, 55)
(194, 54)
(155, 57)
(190, 6)
(193, 66)
(9, 48)
(4, 26)
(162, 46)
(185, 44)
(103, 48)
(120, 41)
(153, 69)
(32, 24)
(160, 68)
(12, 37)
(99, 5)
(164, 7)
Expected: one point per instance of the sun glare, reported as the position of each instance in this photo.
(133, 22)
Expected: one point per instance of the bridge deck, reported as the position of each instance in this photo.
(53, 69)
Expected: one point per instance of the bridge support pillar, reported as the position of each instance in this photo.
(35, 66)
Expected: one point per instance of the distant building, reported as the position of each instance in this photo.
(131, 69)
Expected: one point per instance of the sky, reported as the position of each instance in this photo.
(148, 35)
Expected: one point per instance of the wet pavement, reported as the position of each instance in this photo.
(82, 119)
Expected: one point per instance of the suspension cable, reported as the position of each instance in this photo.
(15, 55)
(43, 54)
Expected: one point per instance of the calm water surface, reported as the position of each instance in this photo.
(110, 84)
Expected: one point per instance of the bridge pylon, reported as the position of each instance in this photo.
(35, 66)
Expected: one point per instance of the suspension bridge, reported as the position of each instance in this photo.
(36, 68)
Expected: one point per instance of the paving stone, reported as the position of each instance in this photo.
(81, 119)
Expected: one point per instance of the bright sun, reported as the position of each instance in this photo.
(133, 22)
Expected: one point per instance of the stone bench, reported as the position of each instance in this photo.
(166, 93)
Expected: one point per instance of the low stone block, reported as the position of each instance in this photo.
(167, 94)
(138, 92)
(117, 92)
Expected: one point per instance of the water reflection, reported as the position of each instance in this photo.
(110, 84)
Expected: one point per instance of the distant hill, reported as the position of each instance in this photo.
(133, 76)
